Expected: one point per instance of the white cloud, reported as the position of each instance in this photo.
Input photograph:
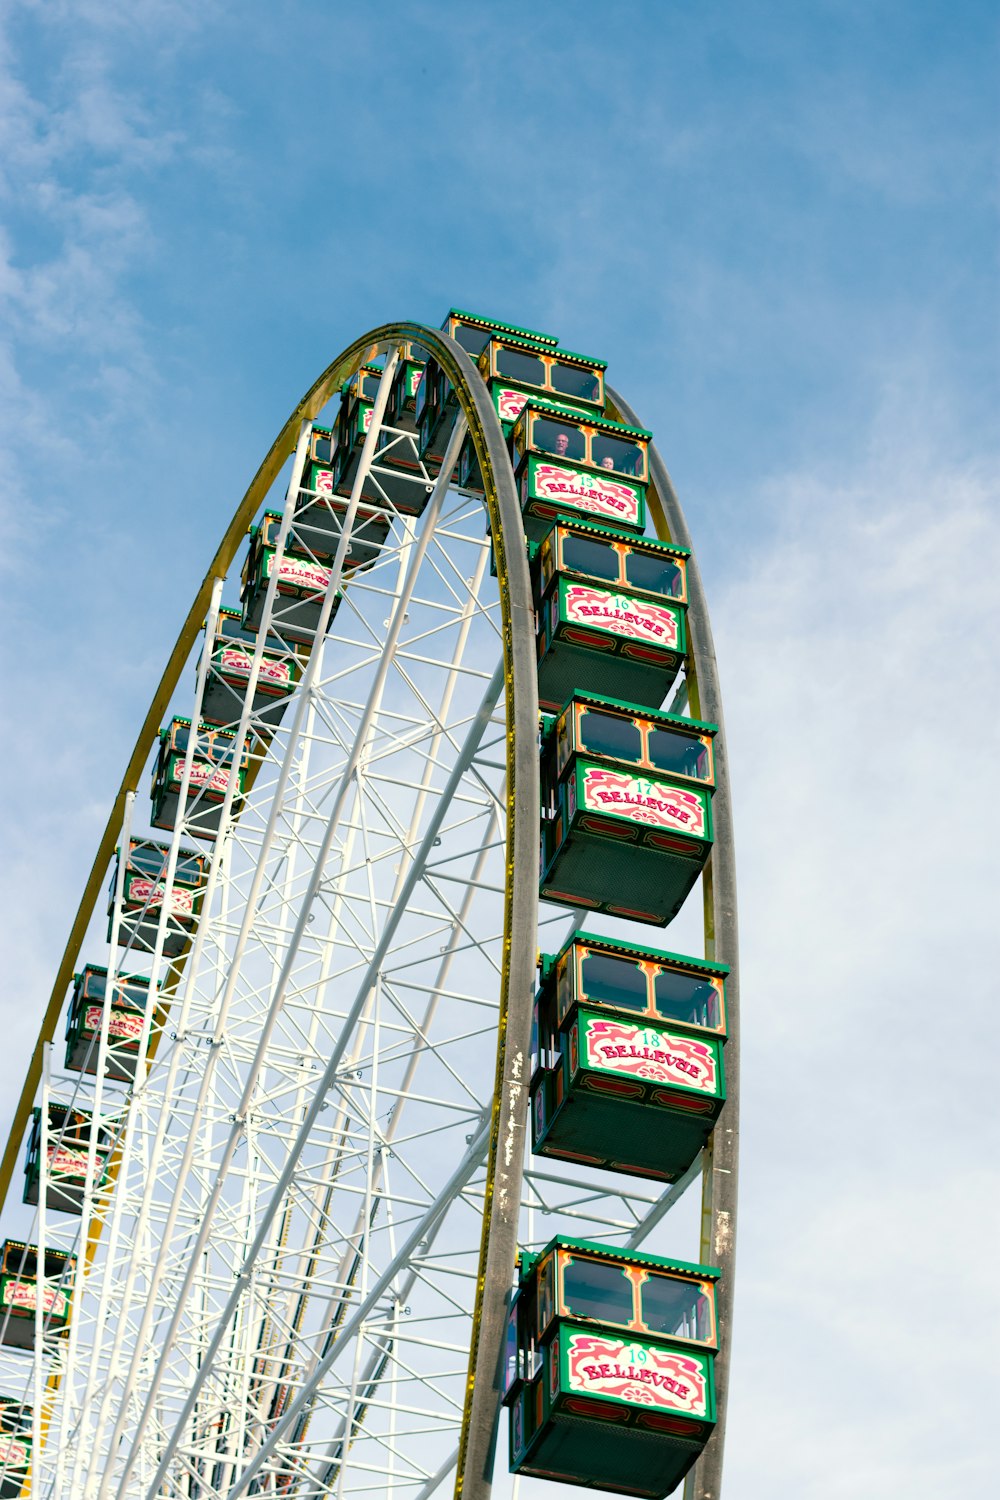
(860, 682)
(84, 133)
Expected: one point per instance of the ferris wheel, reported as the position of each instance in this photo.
(377, 1084)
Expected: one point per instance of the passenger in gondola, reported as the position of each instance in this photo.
(563, 442)
(593, 390)
(612, 453)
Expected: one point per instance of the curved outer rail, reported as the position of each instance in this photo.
(720, 1179)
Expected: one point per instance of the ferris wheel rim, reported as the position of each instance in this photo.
(499, 481)
(720, 1177)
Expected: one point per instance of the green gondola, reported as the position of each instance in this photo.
(319, 520)
(436, 410)
(229, 672)
(627, 1066)
(15, 1446)
(83, 1022)
(609, 1367)
(519, 370)
(568, 465)
(208, 782)
(303, 576)
(69, 1134)
(357, 400)
(19, 1294)
(142, 896)
(473, 332)
(322, 446)
(612, 614)
(626, 808)
(436, 404)
(397, 481)
(402, 404)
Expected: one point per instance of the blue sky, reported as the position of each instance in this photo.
(778, 223)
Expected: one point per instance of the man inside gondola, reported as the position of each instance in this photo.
(565, 443)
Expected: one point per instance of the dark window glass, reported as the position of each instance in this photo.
(546, 1295)
(94, 985)
(570, 380)
(268, 533)
(676, 1307)
(189, 870)
(657, 575)
(55, 1263)
(205, 747)
(369, 386)
(558, 439)
(533, 1050)
(610, 734)
(323, 449)
(683, 997)
(670, 751)
(21, 1262)
(516, 365)
(614, 981)
(15, 1418)
(617, 454)
(232, 630)
(595, 1289)
(597, 559)
(424, 390)
(510, 1355)
(130, 996)
(472, 339)
(148, 860)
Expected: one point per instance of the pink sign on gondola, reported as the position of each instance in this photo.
(68, 1163)
(143, 891)
(204, 774)
(234, 659)
(323, 481)
(301, 575)
(638, 1373)
(645, 1052)
(643, 801)
(124, 1024)
(13, 1454)
(603, 497)
(25, 1294)
(510, 404)
(621, 615)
